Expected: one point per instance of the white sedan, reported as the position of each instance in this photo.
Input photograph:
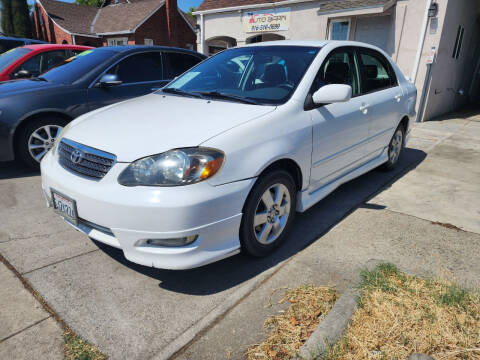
(222, 158)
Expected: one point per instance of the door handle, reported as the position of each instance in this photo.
(364, 109)
(398, 97)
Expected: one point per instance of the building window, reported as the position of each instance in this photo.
(117, 41)
(149, 42)
(339, 29)
(458, 42)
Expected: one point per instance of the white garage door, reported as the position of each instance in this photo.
(374, 30)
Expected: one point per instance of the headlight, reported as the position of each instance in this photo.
(173, 168)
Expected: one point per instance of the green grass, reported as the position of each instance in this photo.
(78, 349)
(378, 278)
(454, 296)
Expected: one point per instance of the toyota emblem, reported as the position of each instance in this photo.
(76, 156)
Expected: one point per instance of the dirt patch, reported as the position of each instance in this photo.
(400, 315)
(289, 329)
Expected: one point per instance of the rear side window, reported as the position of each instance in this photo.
(52, 59)
(376, 71)
(177, 63)
(139, 68)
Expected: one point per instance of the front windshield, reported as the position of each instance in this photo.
(9, 57)
(77, 66)
(264, 74)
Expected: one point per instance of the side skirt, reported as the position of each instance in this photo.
(307, 199)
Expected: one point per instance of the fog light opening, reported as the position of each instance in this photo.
(173, 242)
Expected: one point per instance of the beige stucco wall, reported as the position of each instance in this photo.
(304, 24)
(449, 75)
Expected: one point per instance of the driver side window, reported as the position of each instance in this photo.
(339, 68)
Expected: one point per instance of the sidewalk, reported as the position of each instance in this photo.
(27, 331)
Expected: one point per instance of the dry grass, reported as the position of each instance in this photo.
(77, 349)
(289, 329)
(400, 315)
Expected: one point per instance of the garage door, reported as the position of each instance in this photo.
(374, 30)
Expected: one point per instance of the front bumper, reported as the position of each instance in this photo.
(122, 216)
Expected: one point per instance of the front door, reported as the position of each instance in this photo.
(340, 130)
(140, 73)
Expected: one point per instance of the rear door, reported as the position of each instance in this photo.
(140, 73)
(340, 130)
(383, 98)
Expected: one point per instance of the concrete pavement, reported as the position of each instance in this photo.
(406, 223)
(135, 312)
(27, 331)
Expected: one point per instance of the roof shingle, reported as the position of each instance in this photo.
(330, 5)
(72, 17)
(125, 16)
(338, 5)
(219, 4)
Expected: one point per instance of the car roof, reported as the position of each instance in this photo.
(55, 46)
(312, 43)
(22, 39)
(133, 48)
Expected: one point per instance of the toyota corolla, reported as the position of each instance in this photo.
(221, 159)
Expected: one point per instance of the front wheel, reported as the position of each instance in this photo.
(268, 213)
(395, 148)
(37, 138)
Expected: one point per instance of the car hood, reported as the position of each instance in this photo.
(13, 87)
(155, 123)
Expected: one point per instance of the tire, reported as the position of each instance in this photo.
(395, 148)
(261, 240)
(30, 148)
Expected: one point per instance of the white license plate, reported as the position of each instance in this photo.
(65, 206)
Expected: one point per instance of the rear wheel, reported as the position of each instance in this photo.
(37, 138)
(395, 148)
(268, 214)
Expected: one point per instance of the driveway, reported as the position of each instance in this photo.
(135, 312)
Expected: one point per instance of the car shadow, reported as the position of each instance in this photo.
(15, 169)
(308, 228)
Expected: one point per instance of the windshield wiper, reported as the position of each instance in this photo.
(181, 92)
(220, 95)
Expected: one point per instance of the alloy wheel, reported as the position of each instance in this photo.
(395, 146)
(271, 214)
(42, 140)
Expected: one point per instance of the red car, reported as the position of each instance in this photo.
(32, 60)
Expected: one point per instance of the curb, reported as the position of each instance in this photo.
(331, 328)
(177, 346)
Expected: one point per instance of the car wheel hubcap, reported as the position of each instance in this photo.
(42, 140)
(396, 146)
(271, 215)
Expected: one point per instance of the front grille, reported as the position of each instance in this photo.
(86, 161)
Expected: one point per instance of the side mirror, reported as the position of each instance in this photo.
(333, 93)
(22, 74)
(109, 80)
